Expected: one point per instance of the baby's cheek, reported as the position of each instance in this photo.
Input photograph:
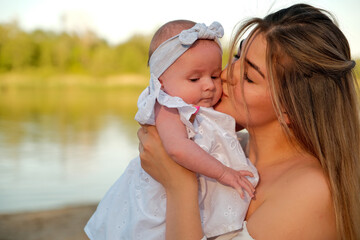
(191, 99)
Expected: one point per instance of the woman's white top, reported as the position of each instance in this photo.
(134, 207)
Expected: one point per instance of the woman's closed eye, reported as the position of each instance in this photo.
(246, 78)
(237, 56)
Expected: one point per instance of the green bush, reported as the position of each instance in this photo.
(69, 53)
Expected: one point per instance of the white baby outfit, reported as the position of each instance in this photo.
(135, 206)
(242, 234)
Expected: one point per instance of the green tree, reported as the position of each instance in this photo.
(70, 53)
(132, 55)
(357, 69)
(16, 48)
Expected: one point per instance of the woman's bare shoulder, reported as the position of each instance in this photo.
(306, 176)
(298, 206)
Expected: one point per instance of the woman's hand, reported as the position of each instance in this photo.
(182, 208)
(156, 162)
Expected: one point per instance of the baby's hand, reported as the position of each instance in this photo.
(237, 180)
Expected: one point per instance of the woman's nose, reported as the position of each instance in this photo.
(225, 88)
(223, 74)
(224, 79)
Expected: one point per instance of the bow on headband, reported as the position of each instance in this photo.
(201, 31)
(170, 50)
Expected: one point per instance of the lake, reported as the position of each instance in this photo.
(63, 147)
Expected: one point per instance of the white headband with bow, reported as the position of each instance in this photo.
(170, 50)
(162, 58)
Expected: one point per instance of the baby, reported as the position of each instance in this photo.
(185, 66)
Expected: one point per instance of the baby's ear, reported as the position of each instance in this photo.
(161, 82)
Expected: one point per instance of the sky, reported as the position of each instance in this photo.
(117, 20)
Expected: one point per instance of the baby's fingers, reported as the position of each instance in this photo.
(240, 191)
(246, 173)
(246, 185)
(242, 174)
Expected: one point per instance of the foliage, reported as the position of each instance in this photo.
(51, 52)
(357, 69)
(69, 53)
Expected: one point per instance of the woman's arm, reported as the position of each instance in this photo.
(181, 186)
(191, 156)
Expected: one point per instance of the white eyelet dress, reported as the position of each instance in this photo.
(134, 207)
(242, 234)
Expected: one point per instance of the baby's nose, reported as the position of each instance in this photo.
(209, 84)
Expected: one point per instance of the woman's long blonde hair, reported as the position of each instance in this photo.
(311, 79)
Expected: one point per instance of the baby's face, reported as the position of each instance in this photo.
(195, 76)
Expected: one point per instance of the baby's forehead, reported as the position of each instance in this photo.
(205, 42)
(203, 55)
(205, 45)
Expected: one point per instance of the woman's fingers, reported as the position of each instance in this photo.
(140, 133)
(141, 148)
(146, 151)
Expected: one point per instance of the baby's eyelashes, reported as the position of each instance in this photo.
(194, 79)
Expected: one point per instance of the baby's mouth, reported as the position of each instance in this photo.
(207, 99)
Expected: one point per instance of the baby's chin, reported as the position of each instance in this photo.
(204, 105)
(207, 105)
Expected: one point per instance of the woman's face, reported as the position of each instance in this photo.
(256, 92)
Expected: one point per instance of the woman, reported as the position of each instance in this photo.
(294, 91)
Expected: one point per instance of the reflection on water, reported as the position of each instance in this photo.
(62, 148)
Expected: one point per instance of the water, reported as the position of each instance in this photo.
(63, 148)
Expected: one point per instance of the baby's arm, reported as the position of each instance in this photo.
(188, 154)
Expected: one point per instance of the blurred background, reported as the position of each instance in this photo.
(70, 76)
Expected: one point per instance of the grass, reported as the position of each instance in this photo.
(31, 81)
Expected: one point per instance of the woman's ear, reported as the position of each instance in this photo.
(286, 118)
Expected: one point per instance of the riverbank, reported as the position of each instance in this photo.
(13, 81)
(59, 224)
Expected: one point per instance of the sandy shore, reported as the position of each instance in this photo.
(60, 224)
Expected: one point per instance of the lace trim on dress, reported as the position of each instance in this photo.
(153, 94)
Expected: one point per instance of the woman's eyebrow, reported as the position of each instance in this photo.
(253, 65)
